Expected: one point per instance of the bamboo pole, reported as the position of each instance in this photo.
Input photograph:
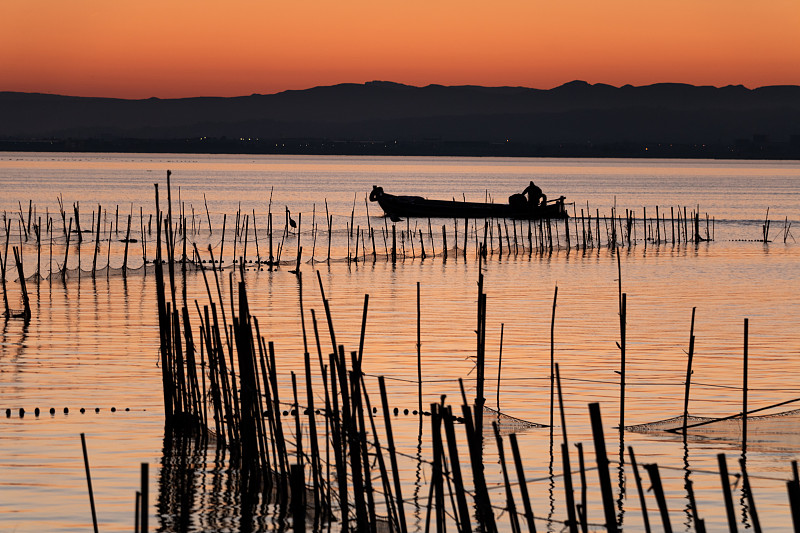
(569, 493)
(744, 387)
(125, 256)
(639, 489)
(89, 481)
(602, 467)
(523, 485)
(510, 505)
(726, 492)
(658, 489)
(419, 352)
(552, 355)
(748, 492)
(3, 261)
(26, 313)
(688, 374)
(393, 456)
(144, 490)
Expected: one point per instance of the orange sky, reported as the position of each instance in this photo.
(176, 48)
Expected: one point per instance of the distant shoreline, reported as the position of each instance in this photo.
(743, 150)
(576, 119)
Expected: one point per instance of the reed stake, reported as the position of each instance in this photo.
(582, 510)
(602, 467)
(726, 492)
(749, 494)
(639, 489)
(125, 256)
(208, 216)
(145, 496)
(222, 242)
(658, 489)
(455, 467)
(688, 373)
(394, 243)
(3, 260)
(89, 481)
(500, 364)
(466, 233)
(66, 252)
(793, 488)
(569, 493)
(552, 355)
(523, 485)
(444, 242)
(744, 387)
(510, 505)
(419, 352)
(26, 313)
(393, 455)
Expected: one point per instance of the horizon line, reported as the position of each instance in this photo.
(400, 84)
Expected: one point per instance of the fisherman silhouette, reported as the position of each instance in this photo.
(534, 194)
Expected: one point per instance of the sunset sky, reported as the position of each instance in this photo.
(178, 48)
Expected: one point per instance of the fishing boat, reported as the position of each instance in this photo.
(416, 206)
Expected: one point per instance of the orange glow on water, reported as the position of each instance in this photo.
(148, 48)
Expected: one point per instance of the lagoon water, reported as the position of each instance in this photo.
(93, 343)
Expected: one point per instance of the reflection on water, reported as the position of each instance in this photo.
(93, 340)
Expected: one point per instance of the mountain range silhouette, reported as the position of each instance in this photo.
(576, 118)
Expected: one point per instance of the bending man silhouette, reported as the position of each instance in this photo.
(534, 195)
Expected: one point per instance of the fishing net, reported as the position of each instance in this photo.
(776, 432)
(506, 424)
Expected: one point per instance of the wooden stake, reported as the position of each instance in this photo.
(419, 353)
(744, 388)
(639, 489)
(125, 256)
(145, 492)
(726, 492)
(658, 489)
(523, 485)
(688, 374)
(748, 492)
(89, 481)
(602, 467)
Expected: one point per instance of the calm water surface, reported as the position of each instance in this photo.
(93, 343)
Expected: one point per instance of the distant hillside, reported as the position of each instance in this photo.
(382, 117)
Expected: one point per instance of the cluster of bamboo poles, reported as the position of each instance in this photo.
(494, 237)
(581, 231)
(247, 420)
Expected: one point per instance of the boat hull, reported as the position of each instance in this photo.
(417, 206)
